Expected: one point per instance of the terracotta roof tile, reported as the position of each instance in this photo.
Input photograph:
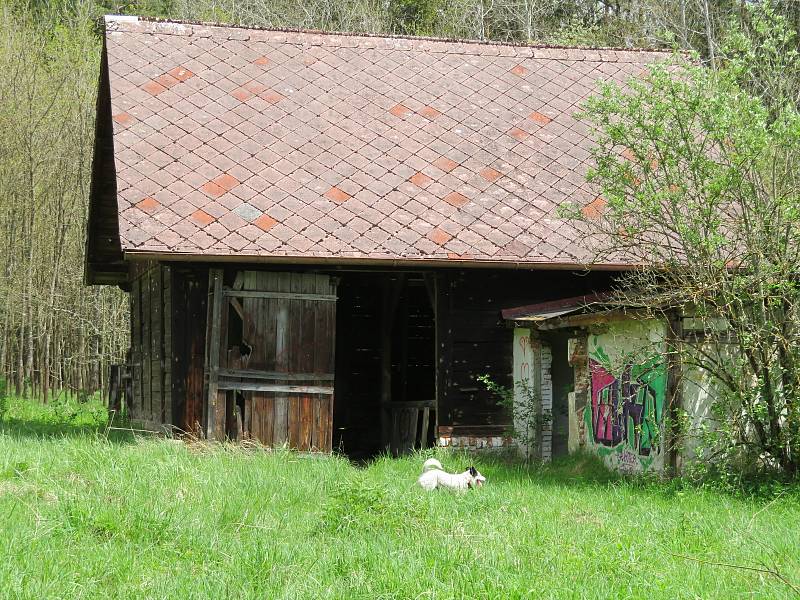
(456, 199)
(420, 179)
(540, 118)
(201, 218)
(148, 204)
(258, 142)
(337, 195)
(445, 164)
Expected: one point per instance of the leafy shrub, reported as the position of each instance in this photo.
(526, 409)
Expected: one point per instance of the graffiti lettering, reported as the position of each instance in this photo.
(626, 410)
(524, 371)
(524, 344)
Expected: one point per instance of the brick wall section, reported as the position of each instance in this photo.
(475, 442)
(579, 361)
(546, 397)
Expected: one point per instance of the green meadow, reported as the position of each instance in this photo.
(87, 512)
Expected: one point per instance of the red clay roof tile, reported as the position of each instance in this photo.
(456, 199)
(490, 175)
(265, 222)
(519, 134)
(148, 204)
(445, 164)
(153, 88)
(439, 236)
(241, 94)
(201, 218)
(122, 118)
(420, 179)
(539, 118)
(594, 209)
(180, 73)
(429, 112)
(400, 111)
(337, 195)
(213, 189)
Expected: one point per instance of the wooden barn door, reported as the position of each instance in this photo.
(274, 380)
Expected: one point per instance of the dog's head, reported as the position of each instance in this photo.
(475, 478)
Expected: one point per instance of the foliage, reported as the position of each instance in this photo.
(63, 413)
(159, 519)
(54, 331)
(699, 181)
(526, 408)
(412, 17)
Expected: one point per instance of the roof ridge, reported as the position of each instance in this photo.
(133, 19)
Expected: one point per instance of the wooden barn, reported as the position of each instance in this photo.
(318, 231)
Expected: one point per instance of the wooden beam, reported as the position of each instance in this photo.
(212, 350)
(280, 433)
(279, 295)
(237, 306)
(582, 320)
(412, 404)
(274, 375)
(248, 386)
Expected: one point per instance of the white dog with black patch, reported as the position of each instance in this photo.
(433, 476)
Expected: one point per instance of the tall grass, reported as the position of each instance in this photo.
(86, 515)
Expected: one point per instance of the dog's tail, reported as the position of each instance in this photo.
(431, 463)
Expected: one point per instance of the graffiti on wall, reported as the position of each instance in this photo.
(625, 417)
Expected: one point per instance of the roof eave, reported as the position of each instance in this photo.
(371, 261)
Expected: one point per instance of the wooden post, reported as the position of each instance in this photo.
(281, 428)
(114, 389)
(423, 443)
(386, 369)
(674, 396)
(391, 296)
(444, 347)
(212, 349)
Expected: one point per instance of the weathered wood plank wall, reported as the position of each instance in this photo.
(284, 374)
(189, 294)
(151, 345)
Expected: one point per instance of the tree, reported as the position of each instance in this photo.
(55, 333)
(698, 172)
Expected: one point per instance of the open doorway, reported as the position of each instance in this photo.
(563, 381)
(385, 364)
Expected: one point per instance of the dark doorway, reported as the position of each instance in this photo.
(385, 363)
(563, 383)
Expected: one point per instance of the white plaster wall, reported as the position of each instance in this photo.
(532, 363)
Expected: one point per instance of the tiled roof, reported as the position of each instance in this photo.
(260, 143)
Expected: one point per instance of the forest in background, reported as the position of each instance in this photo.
(56, 334)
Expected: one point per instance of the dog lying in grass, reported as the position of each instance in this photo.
(433, 476)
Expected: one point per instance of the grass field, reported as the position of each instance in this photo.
(85, 516)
